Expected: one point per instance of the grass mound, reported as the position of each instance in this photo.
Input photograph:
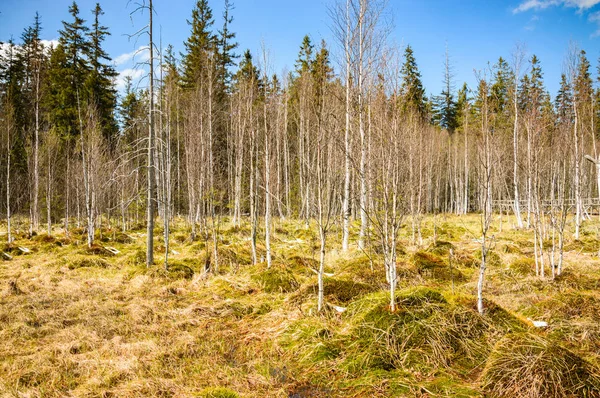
(525, 365)
(427, 261)
(276, 280)
(138, 258)
(177, 270)
(336, 291)
(511, 248)
(312, 340)
(585, 245)
(218, 392)
(571, 305)
(576, 280)
(44, 238)
(235, 254)
(359, 268)
(440, 247)
(523, 266)
(492, 259)
(123, 238)
(88, 262)
(97, 250)
(430, 265)
(426, 332)
(302, 265)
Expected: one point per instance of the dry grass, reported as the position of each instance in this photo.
(75, 322)
(529, 366)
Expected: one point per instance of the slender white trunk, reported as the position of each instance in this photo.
(346, 210)
(267, 177)
(516, 158)
(363, 138)
(577, 181)
(8, 160)
(150, 188)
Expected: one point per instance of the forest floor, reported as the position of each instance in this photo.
(79, 322)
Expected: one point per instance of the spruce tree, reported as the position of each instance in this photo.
(247, 71)
(198, 45)
(582, 88)
(61, 99)
(413, 93)
(67, 73)
(305, 56)
(227, 46)
(500, 90)
(564, 101)
(12, 77)
(99, 81)
(322, 72)
(462, 104)
(129, 111)
(444, 105)
(73, 37)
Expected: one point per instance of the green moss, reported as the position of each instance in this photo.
(312, 340)
(359, 268)
(218, 392)
(430, 265)
(585, 245)
(88, 262)
(138, 258)
(426, 332)
(492, 258)
(122, 238)
(511, 248)
(523, 266)
(441, 248)
(178, 270)
(336, 291)
(276, 280)
(427, 261)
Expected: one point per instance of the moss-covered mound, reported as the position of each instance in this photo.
(363, 269)
(178, 270)
(312, 340)
(87, 262)
(430, 265)
(523, 266)
(526, 365)
(336, 291)
(585, 245)
(426, 332)
(218, 392)
(440, 247)
(276, 280)
(570, 305)
(492, 259)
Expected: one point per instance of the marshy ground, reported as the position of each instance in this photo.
(88, 323)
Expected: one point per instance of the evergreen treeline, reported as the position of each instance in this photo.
(235, 139)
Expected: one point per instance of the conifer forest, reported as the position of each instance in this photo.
(219, 228)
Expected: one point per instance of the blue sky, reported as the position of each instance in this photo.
(476, 31)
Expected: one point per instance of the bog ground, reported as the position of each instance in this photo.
(80, 322)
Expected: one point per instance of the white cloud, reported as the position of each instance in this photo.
(595, 18)
(581, 5)
(140, 55)
(46, 44)
(135, 74)
(49, 43)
